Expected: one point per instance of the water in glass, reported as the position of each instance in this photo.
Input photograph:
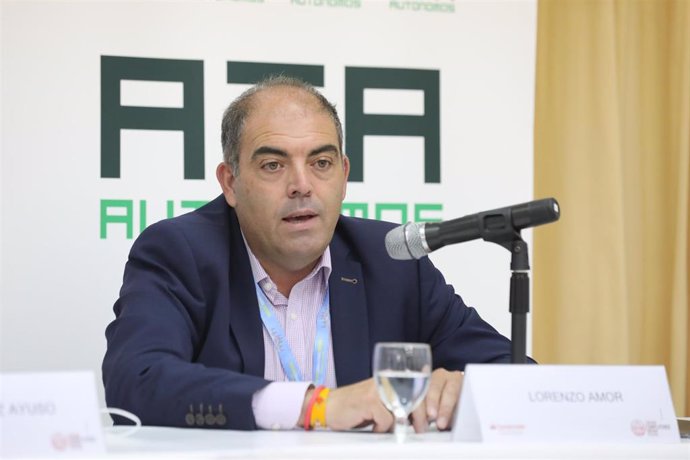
(401, 373)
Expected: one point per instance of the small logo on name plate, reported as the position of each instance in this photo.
(638, 427)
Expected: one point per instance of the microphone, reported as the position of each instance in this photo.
(414, 241)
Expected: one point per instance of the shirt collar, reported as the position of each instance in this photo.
(260, 275)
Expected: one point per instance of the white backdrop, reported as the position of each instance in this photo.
(59, 277)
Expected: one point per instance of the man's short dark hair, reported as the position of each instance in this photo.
(237, 112)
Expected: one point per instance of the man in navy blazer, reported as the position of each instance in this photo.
(188, 346)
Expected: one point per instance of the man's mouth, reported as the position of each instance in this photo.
(297, 218)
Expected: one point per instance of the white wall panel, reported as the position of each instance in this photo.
(59, 278)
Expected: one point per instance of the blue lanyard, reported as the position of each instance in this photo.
(287, 359)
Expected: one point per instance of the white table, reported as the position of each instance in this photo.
(156, 442)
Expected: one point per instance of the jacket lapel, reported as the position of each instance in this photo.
(349, 319)
(245, 322)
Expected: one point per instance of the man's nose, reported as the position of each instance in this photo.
(299, 182)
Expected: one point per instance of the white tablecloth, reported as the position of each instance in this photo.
(155, 442)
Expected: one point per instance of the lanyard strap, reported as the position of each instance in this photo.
(287, 358)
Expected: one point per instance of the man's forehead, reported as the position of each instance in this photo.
(284, 108)
(278, 98)
(278, 111)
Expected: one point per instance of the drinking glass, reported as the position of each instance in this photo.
(401, 372)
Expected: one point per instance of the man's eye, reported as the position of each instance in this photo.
(323, 163)
(271, 166)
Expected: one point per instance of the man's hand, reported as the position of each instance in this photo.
(440, 401)
(354, 406)
(358, 405)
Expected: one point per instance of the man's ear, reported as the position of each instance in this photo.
(346, 170)
(226, 179)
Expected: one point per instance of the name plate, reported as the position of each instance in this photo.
(49, 414)
(503, 403)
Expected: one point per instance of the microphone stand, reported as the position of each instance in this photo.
(519, 290)
(519, 300)
(500, 226)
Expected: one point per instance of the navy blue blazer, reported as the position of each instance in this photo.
(188, 337)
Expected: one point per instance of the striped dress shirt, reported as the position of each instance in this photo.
(278, 405)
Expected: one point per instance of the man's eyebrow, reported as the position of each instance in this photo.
(268, 150)
(325, 148)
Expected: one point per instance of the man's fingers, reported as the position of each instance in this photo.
(355, 406)
(419, 419)
(383, 419)
(433, 395)
(449, 400)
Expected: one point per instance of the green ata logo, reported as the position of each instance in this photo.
(189, 119)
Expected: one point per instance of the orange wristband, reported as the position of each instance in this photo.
(310, 407)
(318, 412)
